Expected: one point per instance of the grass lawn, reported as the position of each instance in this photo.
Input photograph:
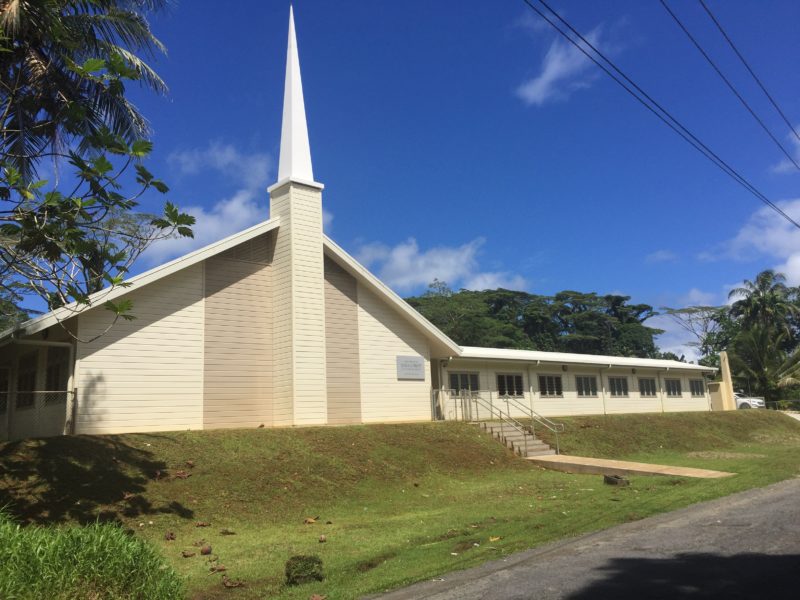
(396, 503)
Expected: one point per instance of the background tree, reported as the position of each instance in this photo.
(570, 321)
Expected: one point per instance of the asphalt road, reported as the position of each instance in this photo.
(742, 546)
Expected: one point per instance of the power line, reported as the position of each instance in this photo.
(731, 87)
(650, 104)
(749, 69)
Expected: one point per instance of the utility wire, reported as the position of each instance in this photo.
(749, 69)
(731, 87)
(650, 104)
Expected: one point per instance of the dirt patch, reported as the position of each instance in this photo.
(466, 545)
(722, 455)
(368, 565)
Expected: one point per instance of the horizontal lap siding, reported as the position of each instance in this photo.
(238, 341)
(570, 403)
(383, 335)
(341, 346)
(145, 374)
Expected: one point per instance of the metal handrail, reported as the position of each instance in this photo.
(556, 428)
(505, 418)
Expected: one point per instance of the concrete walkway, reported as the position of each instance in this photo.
(603, 466)
(744, 546)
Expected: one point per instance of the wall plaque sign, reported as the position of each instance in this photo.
(411, 368)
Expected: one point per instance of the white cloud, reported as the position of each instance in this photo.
(696, 297)
(661, 256)
(495, 279)
(787, 166)
(405, 267)
(767, 234)
(564, 70)
(251, 170)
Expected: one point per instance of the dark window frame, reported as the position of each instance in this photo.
(618, 386)
(673, 388)
(510, 381)
(646, 393)
(580, 386)
(556, 390)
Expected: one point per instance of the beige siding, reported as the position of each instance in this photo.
(570, 403)
(384, 335)
(238, 338)
(145, 374)
(341, 346)
(299, 327)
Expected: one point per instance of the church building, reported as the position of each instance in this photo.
(278, 326)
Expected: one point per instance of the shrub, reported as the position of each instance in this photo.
(96, 561)
(303, 569)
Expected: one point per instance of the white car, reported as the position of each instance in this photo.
(743, 401)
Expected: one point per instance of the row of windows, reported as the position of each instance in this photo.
(585, 385)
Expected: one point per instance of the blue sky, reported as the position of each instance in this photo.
(464, 141)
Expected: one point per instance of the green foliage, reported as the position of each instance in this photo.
(567, 322)
(302, 569)
(93, 561)
(63, 69)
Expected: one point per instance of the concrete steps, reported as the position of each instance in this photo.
(523, 444)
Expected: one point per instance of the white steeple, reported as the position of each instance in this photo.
(295, 159)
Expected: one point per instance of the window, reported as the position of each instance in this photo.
(510, 385)
(26, 381)
(673, 387)
(467, 382)
(550, 385)
(4, 383)
(697, 387)
(618, 386)
(587, 385)
(647, 387)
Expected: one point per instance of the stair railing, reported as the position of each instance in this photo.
(473, 398)
(552, 426)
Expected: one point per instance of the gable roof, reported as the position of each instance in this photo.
(580, 359)
(187, 260)
(444, 345)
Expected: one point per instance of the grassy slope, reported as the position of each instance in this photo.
(406, 502)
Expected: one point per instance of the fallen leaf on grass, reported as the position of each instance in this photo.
(230, 583)
(169, 536)
(202, 524)
(218, 569)
(310, 520)
(317, 597)
(190, 464)
(227, 532)
(494, 538)
(187, 554)
(181, 475)
(128, 496)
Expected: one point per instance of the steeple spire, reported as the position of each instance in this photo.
(295, 159)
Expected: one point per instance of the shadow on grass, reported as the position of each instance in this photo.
(696, 576)
(79, 479)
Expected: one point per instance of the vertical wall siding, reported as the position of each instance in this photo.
(341, 346)
(238, 337)
(145, 374)
(383, 335)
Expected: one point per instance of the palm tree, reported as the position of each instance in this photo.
(47, 100)
(765, 302)
(759, 362)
